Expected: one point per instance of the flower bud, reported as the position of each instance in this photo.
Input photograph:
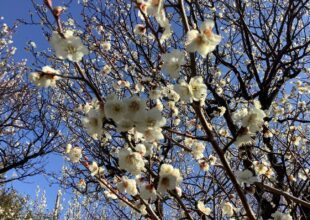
(58, 10)
(48, 3)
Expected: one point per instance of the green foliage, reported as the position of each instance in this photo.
(13, 206)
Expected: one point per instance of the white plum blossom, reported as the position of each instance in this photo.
(153, 134)
(93, 122)
(303, 174)
(74, 154)
(204, 41)
(110, 194)
(212, 159)
(124, 125)
(281, 216)
(147, 123)
(148, 191)
(106, 69)
(245, 176)
(169, 178)
(178, 191)
(268, 134)
(201, 207)
(106, 45)
(127, 186)
(114, 109)
(149, 148)
(228, 209)
(164, 23)
(197, 150)
(159, 105)
(244, 138)
(154, 7)
(189, 141)
(142, 208)
(94, 168)
(204, 165)
(47, 77)
(131, 161)
(183, 89)
(252, 118)
(134, 106)
(219, 90)
(173, 62)
(222, 110)
(121, 84)
(33, 44)
(260, 168)
(251, 121)
(295, 140)
(81, 184)
(155, 94)
(170, 93)
(304, 89)
(139, 30)
(70, 47)
(149, 119)
(197, 88)
(143, 7)
(167, 31)
(141, 149)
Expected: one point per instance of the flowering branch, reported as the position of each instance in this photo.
(284, 194)
(224, 161)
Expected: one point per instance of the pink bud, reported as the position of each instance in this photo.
(58, 10)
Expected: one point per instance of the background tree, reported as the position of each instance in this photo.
(27, 131)
(12, 205)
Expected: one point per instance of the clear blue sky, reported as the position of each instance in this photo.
(12, 10)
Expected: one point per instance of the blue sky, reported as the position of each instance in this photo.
(12, 10)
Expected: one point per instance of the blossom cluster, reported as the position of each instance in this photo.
(47, 77)
(251, 120)
(131, 114)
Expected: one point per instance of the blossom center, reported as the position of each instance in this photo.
(165, 182)
(155, 2)
(70, 49)
(94, 121)
(125, 184)
(130, 159)
(117, 108)
(199, 40)
(134, 106)
(208, 32)
(151, 122)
